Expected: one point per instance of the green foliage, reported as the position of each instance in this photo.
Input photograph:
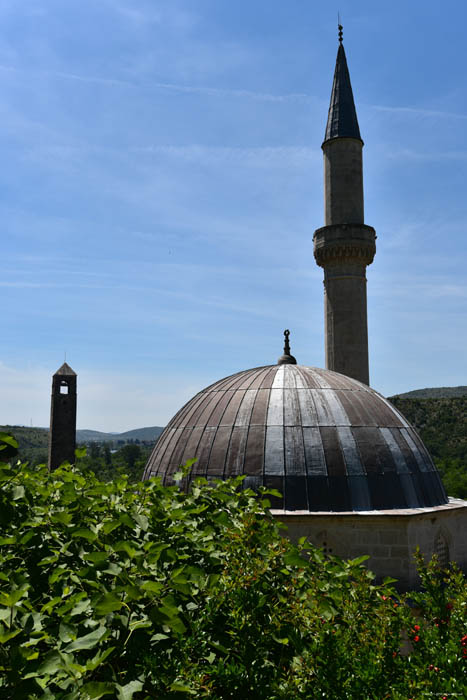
(106, 464)
(442, 425)
(139, 591)
(454, 475)
(33, 442)
(436, 664)
(130, 454)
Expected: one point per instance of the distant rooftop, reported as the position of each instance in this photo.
(65, 369)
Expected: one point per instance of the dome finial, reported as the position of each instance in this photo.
(286, 358)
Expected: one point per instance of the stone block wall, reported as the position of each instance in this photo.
(389, 537)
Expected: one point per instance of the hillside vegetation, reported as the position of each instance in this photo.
(33, 442)
(442, 425)
(441, 392)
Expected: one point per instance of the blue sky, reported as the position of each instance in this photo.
(162, 180)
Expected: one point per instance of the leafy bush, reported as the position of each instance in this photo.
(142, 591)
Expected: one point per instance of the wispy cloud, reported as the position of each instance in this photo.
(150, 85)
(428, 156)
(419, 112)
(263, 156)
(221, 92)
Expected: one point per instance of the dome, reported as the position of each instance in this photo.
(325, 441)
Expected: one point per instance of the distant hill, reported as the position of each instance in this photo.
(442, 392)
(141, 434)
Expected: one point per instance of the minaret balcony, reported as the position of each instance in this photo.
(344, 243)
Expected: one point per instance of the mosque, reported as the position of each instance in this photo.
(355, 477)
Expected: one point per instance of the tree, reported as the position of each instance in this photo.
(107, 455)
(130, 454)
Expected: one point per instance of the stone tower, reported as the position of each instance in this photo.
(62, 436)
(345, 245)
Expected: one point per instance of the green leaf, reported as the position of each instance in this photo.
(142, 520)
(7, 540)
(51, 604)
(273, 492)
(98, 659)
(123, 546)
(110, 525)
(52, 663)
(57, 574)
(359, 560)
(326, 610)
(152, 586)
(6, 473)
(113, 569)
(18, 492)
(9, 439)
(96, 557)
(80, 452)
(6, 636)
(62, 516)
(10, 599)
(85, 533)
(126, 692)
(133, 592)
(88, 641)
(176, 625)
(107, 603)
(158, 637)
(67, 633)
(95, 690)
(293, 558)
(182, 688)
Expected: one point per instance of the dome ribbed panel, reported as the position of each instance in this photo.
(325, 441)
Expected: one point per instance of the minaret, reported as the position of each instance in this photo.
(345, 245)
(62, 436)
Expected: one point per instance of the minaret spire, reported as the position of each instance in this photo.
(345, 245)
(342, 115)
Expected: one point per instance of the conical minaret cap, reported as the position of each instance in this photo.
(342, 116)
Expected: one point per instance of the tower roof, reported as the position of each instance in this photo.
(64, 370)
(342, 117)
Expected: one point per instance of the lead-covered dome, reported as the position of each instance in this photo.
(325, 441)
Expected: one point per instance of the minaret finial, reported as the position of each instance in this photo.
(286, 358)
(340, 28)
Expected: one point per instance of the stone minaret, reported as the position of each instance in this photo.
(345, 245)
(62, 436)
